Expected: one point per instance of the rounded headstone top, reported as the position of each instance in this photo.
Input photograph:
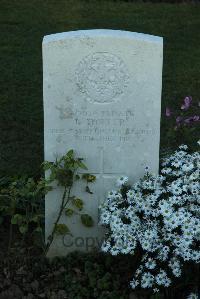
(102, 33)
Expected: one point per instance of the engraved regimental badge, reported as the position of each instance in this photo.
(102, 77)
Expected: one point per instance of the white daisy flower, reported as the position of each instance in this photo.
(193, 296)
(122, 181)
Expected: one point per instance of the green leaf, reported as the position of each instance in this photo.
(70, 153)
(1, 220)
(87, 189)
(38, 229)
(87, 220)
(47, 165)
(69, 212)
(64, 177)
(90, 178)
(4, 208)
(78, 203)
(35, 218)
(16, 219)
(81, 165)
(23, 229)
(62, 229)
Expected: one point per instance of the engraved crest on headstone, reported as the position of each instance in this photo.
(102, 77)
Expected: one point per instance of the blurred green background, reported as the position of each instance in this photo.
(23, 25)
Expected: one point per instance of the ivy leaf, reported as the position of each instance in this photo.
(87, 220)
(87, 189)
(78, 203)
(62, 229)
(69, 212)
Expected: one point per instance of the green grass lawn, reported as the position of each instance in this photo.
(23, 25)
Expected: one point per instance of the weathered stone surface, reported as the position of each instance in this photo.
(102, 97)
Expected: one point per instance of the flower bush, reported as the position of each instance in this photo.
(159, 217)
(183, 119)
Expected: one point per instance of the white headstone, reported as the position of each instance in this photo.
(102, 98)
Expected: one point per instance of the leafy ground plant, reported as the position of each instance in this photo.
(22, 205)
(65, 171)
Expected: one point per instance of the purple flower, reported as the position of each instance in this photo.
(168, 112)
(192, 119)
(187, 102)
(178, 120)
(188, 120)
(196, 118)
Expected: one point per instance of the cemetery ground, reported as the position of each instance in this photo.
(24, 272)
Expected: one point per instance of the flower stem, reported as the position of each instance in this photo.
(62, 207)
